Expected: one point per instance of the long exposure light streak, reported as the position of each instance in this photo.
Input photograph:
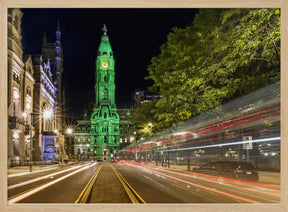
(31, 192)
(41, 178)
(239, 121)
(224, 144)
(206, 188)
(200, 175)
(26, 173)
(215, 138)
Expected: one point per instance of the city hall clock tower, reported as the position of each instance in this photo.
(104, 139)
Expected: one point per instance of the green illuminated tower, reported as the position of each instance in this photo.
(104, 119)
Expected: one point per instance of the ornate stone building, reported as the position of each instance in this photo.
(34, 96)
(20, 90)
(104, 119)
(82, 133)
(99, 138)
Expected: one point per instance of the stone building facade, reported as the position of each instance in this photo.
(100, 137)
(34, 96)
(82, 133)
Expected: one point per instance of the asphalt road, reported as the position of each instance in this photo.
(160, 185)
(149, 183)
(61, 188)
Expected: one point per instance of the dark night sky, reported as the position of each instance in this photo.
(135, 36)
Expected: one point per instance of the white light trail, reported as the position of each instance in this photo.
(224, 144)
(29, 193)
(41, 178)
(25, 173)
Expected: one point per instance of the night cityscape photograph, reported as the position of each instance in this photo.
(143, 106)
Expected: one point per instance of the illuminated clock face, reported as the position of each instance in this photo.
(104, 65)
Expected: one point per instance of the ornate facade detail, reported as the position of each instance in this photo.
(33, 87)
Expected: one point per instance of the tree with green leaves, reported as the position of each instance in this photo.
(223, 54)
(143, 118)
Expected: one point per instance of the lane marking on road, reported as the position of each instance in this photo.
(207, 188)
(86, 191)
(41, 178)
(139, 197)
(128, 191)
(46, 185)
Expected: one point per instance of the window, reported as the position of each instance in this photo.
(78, 140)
(16, 22)
(28, 118)
(16, 144)
(28, 91)
(105, 93)
(16, 103)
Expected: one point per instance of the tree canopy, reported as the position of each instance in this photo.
(223, 54)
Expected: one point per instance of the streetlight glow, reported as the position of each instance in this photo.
(69, 131)
(47, 114)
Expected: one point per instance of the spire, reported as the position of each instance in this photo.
(58, 26)
(105, 47)
(104, 29)
(58, 32)
(44, 38)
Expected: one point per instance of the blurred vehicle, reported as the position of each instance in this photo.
(114, 160)
(229, 169)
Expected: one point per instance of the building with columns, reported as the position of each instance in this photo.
(34, 97)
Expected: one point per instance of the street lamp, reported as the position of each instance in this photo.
(47, 114)
(69, 131)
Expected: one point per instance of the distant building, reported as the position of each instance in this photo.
(82, 133)
(34, 91)
(140, 97)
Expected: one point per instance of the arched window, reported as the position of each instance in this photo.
(16, 101)
(16, 144)
(105, 93)
(28, 91)
(28, 112)
(47, 118)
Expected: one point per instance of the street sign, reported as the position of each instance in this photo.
(31, 139)
(247, 145)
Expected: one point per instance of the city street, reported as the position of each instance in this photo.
(132, 182)
(180, 106)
